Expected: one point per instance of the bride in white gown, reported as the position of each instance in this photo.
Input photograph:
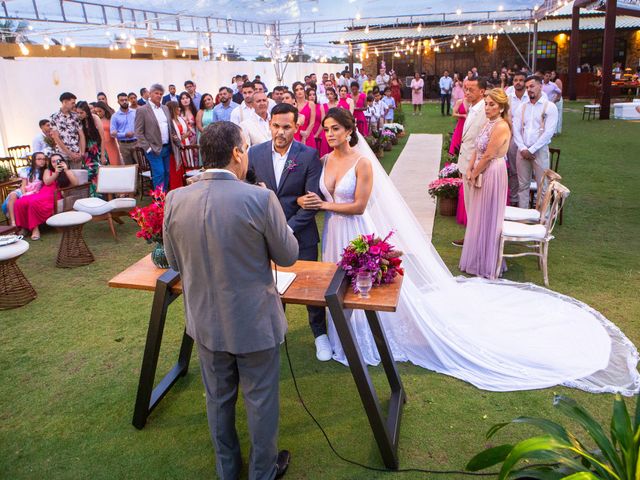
(496, 335)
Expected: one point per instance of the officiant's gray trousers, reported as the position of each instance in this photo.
(258, 375)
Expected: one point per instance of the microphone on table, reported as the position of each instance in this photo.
(251, 178)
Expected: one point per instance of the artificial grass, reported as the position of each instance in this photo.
(71, 358)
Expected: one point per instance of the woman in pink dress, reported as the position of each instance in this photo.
(460, 112)
(319, 115)
(308, 111)
(417, 86)
(488, 183)
(345, 101)
(188, 112)
(359, 106)
(108, 142)
(33, 210)
(333, 103)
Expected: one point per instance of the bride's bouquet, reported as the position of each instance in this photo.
(369, 253)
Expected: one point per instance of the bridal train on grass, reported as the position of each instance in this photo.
(497, 335)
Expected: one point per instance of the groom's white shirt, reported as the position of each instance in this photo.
(279, 162)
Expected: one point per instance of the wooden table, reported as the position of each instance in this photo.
(317, 283)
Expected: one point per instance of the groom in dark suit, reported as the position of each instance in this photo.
(291, 169)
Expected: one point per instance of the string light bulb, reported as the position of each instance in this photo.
(366, 29)
(23, 48)
(459, 11)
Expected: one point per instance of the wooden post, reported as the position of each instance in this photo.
(574, 52)
(534, 60)
(607, 58)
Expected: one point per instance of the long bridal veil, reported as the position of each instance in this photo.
(498, 335)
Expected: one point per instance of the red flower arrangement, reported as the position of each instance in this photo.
(368, 253)
(150, 218)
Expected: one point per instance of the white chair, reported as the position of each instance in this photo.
(535, 236)
(115, 179)
(533, 215)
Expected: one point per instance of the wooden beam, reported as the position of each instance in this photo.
(574, 53)
(607, 58)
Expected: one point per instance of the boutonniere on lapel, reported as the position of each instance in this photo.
(290, 165)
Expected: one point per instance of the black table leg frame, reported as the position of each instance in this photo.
(386, 431)
(148, 397)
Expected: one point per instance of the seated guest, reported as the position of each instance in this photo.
(390, 104)
(33, 210)
(43, 142)
(222, 111)
(31, 183)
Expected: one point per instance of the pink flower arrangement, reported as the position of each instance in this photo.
(368, 253)
(150, 218)
(445, 187)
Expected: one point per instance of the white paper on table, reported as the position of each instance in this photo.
(283, 280)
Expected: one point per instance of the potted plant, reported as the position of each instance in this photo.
(446, 190)
(390, 136)
(376, 145)
(150, 220)
(5, 174)
(559, 454)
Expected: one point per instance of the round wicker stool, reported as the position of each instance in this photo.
(15, 289)
(73, 252)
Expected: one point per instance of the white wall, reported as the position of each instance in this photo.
(31, 86)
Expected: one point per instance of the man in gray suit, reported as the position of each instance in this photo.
(221, 234)
(157, 136)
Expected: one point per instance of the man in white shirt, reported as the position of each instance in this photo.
(533, 127)
(362, 78)
(256, 127)
(517, 95)
(446, 85)
(245, 110)
(383, 79)
(39, 143)
(259, 86)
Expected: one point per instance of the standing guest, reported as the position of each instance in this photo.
(362, 79)
(171, 96)
(504, 80)
(494, 81)
(102, 97)
(457, 92)
(188, 112)
(332, 102)
(474, 72)
(488, 195)
(144, 97)
(345, 101)
(473, 124)
(245, 110)
(378, 110)
(156, 136)
(359, 106)
(347, 78)
(317, 126)
(417, 87)
(446, 86)
(551, 89)
(31, 211)
(66, 131)
(256, 127)
(560, 103)
(277, 93)
(176, 169)
(459, 112)
(390, 103)
(222, 111)
(94, 155)
(270, 161)
(368, 84)
(259, 87)
(205, 114)
(332, 77)
(31, 182)
(533, 128)
(257, 80)
(133, 100)
(238, 336)
(382, 80)
(517, 94)
(43, 142)
(237, 95)
(190, 87)
(123, 129)
(308, 110)
(396, 90)
(109, 143)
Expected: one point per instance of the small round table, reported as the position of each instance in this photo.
(73, 251)
(15, 289)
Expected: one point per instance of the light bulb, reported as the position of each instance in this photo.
(459, 11)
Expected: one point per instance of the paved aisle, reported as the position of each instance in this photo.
(417, 165)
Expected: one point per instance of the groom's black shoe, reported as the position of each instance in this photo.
(284, 457)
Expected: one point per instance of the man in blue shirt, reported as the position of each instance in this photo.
(123, 128)
(222, 111)
(446, 86)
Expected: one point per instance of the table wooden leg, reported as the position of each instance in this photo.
(385, 431)
(148, 397)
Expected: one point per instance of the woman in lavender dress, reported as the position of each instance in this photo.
(488, 178)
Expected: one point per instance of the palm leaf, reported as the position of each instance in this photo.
(581, 476)
(539, 473)
(547, 426)
(489, 458)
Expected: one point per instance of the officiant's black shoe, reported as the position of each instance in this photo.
(458, 243)
(284, 457)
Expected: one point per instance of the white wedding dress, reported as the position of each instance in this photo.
(496, 335)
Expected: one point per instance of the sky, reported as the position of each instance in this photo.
(255, 10)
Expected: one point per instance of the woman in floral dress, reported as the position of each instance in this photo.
(94, 154)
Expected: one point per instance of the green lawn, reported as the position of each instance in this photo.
(71, 358)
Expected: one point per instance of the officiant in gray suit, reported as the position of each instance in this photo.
(221, 234)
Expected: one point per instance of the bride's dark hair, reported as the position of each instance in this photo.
(343, 117)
